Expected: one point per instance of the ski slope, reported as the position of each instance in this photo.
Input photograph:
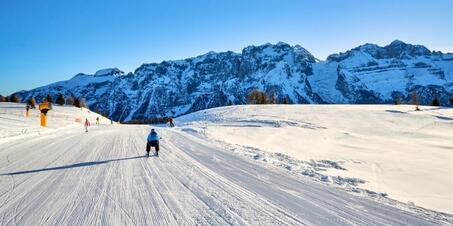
(69, 177)
(14, 125)
(404, 154)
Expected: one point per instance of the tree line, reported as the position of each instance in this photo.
(259, 97)
(13, 98)
(60, 100)
(254, 97)
(415, 100)
(157, 120)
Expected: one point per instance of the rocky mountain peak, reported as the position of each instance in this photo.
(108, 72)
(365, 74)
(396, 50)
(399, 49)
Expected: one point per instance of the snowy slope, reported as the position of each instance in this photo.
(387, 149)
(70, 177)
(14, 124)
(366, 74)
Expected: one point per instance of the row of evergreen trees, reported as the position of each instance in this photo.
(60, 100)
(157, 120)
(260, 97)
(13, 98)
(415, 100)
(254, 97)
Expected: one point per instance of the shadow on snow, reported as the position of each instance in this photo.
(81, 164)
(396, 111)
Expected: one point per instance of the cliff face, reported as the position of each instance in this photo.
(366, 74)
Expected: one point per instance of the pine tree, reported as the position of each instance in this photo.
(451, 101)
(285, 101)
(252, 97)
(70, 101)
(257, 97)
(60, 100)
(272, 99)
(435, 102)
(14, 98)
(77, 103)
(415, 100)
(229, 103)
(2, 98)
(83, 103)
(262, 99)
(397, 100)
(49, 98)
(31, 102)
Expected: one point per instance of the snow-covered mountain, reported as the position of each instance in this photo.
(366, 74)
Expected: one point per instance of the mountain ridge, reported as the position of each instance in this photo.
(366, 74)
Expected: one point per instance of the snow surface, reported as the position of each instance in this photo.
(68, 177)
(14, 124)
(389, 149)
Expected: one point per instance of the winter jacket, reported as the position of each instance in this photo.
(153, 136)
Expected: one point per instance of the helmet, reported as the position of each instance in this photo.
(153, 130)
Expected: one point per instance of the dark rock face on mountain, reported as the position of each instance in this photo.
(368, 74)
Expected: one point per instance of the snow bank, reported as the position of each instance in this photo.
(14, 124)
(383, 149)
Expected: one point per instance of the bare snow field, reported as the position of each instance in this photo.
(388, 149)
(241, 165)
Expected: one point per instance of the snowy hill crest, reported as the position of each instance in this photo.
(365, 74)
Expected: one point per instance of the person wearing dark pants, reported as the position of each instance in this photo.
(152, 141)
(170, 121)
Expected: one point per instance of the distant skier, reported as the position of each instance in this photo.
(87, 123)
(97, 120)
(152, 141)
(170, 121)
(27, 110)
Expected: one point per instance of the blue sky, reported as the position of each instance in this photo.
(44, 41)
